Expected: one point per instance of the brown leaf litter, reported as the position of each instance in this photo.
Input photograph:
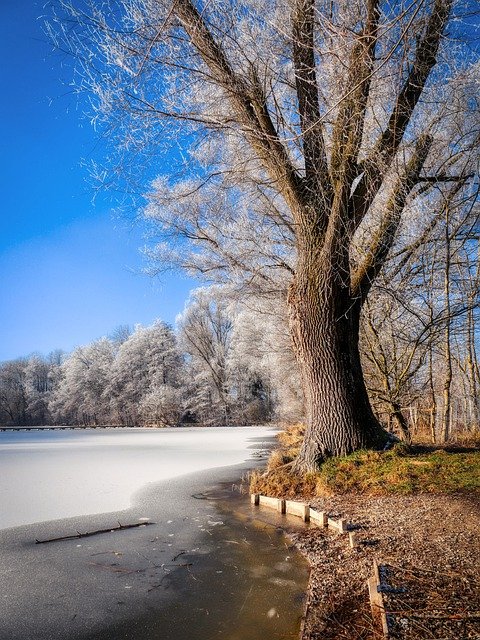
(428, 549)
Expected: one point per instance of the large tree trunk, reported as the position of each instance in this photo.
(324, 323)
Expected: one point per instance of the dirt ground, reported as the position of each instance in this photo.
(428, 550)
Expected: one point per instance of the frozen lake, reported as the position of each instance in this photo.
(48, 475)
(208, 564)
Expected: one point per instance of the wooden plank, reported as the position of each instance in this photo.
(272, 503)
(376, 571)
(265, 501)
(352, 539)
(376, 600)
(299, 509)
(339, 525)
(254, 498)
(318, 517)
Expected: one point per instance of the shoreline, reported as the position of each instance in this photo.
(141, 573)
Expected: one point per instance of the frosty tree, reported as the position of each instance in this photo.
(145, 375)
(205, 331)
(301, 135)
(82, 381)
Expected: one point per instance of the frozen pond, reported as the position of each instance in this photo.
(48, 475)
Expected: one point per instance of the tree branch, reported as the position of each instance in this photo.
(383, 240)
(249, 106)
(442, 178)
(348, 130)
(375, 166)
(315, 158)
(425, 60)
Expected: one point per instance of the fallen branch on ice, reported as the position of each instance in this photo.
(120, 527)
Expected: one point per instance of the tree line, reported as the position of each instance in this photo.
(230, 360)
(206, 372)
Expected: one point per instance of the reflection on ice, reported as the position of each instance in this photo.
(56, 474)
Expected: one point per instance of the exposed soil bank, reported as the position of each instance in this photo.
(200, 571)
(429, 546)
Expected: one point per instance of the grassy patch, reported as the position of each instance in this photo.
(401, 470)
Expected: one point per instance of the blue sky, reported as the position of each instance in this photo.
(69, 268)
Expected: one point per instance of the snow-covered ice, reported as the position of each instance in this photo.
(46, 475)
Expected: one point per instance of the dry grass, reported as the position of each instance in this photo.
(280, 483)
(291, 437)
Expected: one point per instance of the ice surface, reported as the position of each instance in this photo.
(46, 475)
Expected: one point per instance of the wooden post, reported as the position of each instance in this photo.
(255, 499)
(352, 539)
(342, 526)
(339, 525)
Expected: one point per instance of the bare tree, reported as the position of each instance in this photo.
(307, 129)
(417, 333)
(13, 397)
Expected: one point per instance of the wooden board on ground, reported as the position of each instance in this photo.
(318, 517)
(376, 601)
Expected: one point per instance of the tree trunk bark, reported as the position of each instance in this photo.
(324, 322)
(401, 421)
(433, 406)
(472, 365)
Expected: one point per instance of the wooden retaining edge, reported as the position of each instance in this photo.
(320, 518)
(376, 600)
(273, 503)
(302, 510)
(340, 525)
(299, 509)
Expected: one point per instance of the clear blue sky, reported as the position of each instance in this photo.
(69, 272)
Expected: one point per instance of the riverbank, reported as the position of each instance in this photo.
(415, 511)
(429, 549)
